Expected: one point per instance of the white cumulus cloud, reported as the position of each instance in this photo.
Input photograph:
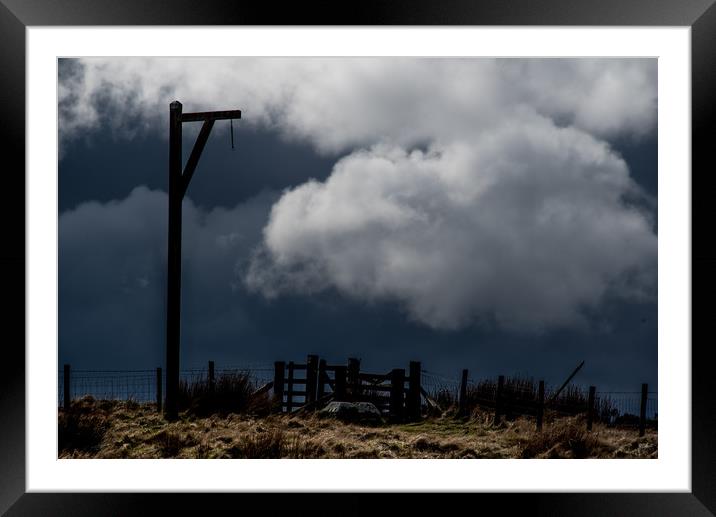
(466, 190)
(336, 104)
(524, 228)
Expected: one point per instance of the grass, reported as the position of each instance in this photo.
(521, 397)
(231, 393)
(104, 429)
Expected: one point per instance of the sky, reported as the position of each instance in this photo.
(497, 215)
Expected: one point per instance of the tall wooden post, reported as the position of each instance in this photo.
(463, 394)
(278, 380)
(178, 182)
(540, 405)
(397, 393)
(498, 398)
(311, 381)
(339, 383)
(159, 390)
(413, 401)
(590, 407)
(174, 259)
(321, 389)
(66, 387)
(642, 410)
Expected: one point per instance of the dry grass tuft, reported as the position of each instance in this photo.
(566, 438)
(82, 428)
(231, 393)
(171, 442)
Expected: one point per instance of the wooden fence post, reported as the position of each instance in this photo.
(463, 394)
(540, 405)
(311, 381)
(289, 394)
(412, 404)
(159, 390)
(278, 379)
(642, 411)
(339, 384)
(66, 387)
(590, 407)
(211, 377)
(321, 379)
(498, 398)
(354, 377)
(397, 392)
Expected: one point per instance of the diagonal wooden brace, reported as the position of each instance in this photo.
(195, 154)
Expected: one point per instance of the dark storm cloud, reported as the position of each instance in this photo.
(105, 167)
(112, 263)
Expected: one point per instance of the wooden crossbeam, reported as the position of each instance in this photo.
(210, 115)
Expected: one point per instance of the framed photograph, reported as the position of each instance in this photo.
(440, 250)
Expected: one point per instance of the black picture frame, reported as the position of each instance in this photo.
(17, 15)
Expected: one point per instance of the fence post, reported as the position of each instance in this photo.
(412, 404)
(354, 377)
(66, 387)
(642, 412)
(463, 394)
(311, 373)
(321, 379)
(289, 394)
(397, 392)
(340, 383)
(278, 379)
(540, 405)
(498, 398)
(590, 407)
(159, 390)
(211, 376)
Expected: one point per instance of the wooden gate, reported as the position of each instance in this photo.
(323, 382)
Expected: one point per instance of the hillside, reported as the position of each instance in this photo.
(104, 429)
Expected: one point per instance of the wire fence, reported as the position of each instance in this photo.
(520, 395)
(141, 385)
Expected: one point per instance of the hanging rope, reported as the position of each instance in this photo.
(231, 121)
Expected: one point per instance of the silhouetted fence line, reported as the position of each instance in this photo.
(522, 396)
(144, 386)
(400, 394)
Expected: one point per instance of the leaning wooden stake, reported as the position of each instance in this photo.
(564, 384)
